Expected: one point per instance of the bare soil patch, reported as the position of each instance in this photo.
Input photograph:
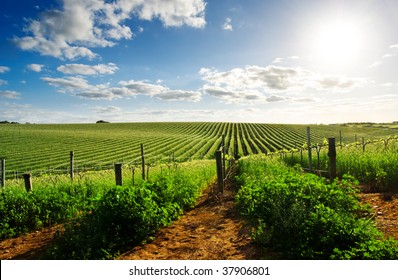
(213, 230)
(385, 211)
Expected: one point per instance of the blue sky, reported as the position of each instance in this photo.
(290, 61)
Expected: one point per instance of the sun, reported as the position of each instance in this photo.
(336, 43)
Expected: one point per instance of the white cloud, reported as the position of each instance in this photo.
(227, 25)
(391, 54)
(339, 83)
(231, 96)
(69, 32)
(35, 67)
(179, 95)
(4, 69)
(3, 82)
(160, 92)
(106, 110)
(277, 60)
(140, 87)
(174, 12)
(275, 98)
(240, 85)
(80, 87)
(375, 64)
(83, 69)
(9, 94)
(67, 84)
(281, 59)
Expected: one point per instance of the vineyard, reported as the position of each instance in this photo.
(42, 149)
(288, 209)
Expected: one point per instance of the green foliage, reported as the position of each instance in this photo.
(22, 212)
(126, 216)
(304, 216)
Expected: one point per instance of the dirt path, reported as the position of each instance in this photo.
(212, 230)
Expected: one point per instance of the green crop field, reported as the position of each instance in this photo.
(43, 148)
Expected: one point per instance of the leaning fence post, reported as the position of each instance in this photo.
(71, 163)
(332, 158)
(118, 174)
(143, 162)
(220, 179)
(3, 173)
(309, 149)
(28, 181)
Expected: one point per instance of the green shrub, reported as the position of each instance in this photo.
(126, 216)
(303, 215)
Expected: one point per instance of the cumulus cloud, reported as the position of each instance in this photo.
(255, 77)
(275, 98)
(160, 92)
(83, 69)
(338, 83)
(140, 87)
(106, 110)
(3, 82)
(230, 96)
(4, 69)
(70, 31)
(227, 25)
(179, 95)
(255, 83)
(35, 67)
(80, 87)
(9, 94)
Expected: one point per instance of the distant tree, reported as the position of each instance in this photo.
(102, 121)
(7, 122)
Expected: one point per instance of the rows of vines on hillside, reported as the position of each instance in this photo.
(42, 148)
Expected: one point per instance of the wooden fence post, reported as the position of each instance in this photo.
(71, 164)
(341, 140)
(143, 162)
(363, 144)
(332, 158)
(223, 156)
(309, 149)
(28, 181)
(3, 172)
(118, 174)
(220, 179)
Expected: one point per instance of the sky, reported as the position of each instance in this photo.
(287, 61)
